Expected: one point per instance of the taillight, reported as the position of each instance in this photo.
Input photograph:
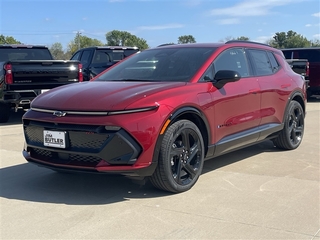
(307, 70)
(8, 78)
(80, 73)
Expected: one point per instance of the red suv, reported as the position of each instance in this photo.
(161, 112)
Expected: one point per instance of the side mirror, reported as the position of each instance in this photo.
(223, 77)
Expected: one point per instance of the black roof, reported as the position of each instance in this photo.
(112, 47)
(21, 46)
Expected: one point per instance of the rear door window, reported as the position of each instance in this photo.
(261, 62)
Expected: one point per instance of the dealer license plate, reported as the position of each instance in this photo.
(54, 139)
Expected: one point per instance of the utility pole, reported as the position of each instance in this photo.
(78, 37)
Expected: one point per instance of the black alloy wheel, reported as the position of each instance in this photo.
(292, 133)
(181, 158)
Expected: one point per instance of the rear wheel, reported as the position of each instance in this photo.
(292, 133)
(181, 158)
(4, 112)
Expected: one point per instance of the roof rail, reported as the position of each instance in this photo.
(165, 44)
(244, 41)
(112, 47)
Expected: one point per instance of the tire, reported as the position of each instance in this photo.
(181, 158)
(4, 112)
(292, 133)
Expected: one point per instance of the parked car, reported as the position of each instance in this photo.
(97, 59)
(160, 113)
(313, 56)
(28, 70)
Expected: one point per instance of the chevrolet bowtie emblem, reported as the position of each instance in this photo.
(59, 113)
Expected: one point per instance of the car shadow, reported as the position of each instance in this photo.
(239, 155)
(315, 98)
(15, 118)
(29, 182)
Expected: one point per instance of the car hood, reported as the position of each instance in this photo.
(98, 95)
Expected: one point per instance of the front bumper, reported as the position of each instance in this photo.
(88, 148)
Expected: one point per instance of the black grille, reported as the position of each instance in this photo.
(89, 138)
(42, 153)
(64, 158)
(33, 134)
(86, 159)
(85, 145)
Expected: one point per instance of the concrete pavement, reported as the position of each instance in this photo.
(255, 193)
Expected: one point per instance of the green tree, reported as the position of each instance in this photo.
(123, 38)
(243, 38)
(315, 43)
(81, 42)
(57, 52)
(290, 39)
(117, 38)
(230, 38)
(186, 39)
(226, 39)
(8, 40)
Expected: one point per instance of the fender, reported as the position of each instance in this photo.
(172, 118)
(295, 94)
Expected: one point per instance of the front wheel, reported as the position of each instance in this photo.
(291, 135)
(181, 158)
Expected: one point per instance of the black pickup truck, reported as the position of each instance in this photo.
(96, 59)
(300, 66)
(26, 71)
(312, 55)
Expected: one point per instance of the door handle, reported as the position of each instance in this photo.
(256, 90)
(285, 85)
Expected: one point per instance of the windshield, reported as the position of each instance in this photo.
(12, 54)
(160, 64)
(111, 55)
